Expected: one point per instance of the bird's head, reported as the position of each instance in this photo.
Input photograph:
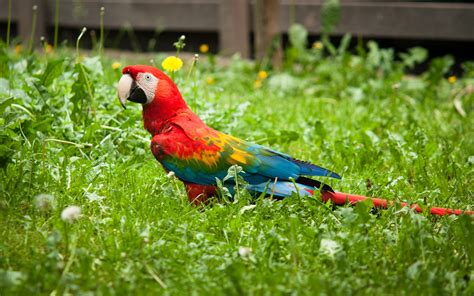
(148, 86)
(157, 93)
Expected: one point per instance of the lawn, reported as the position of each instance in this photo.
(65, 140)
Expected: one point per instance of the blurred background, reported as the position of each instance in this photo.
(252, 28)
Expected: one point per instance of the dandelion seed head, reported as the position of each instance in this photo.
(71, 214)
(245, 251)
(44, 202)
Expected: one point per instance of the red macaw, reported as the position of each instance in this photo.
(198, 154)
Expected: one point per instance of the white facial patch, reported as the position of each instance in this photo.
(148, 83)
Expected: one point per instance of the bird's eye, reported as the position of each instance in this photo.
(148, 77)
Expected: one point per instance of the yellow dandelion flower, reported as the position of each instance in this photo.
(204, 48)
(48, 48)
(210, 80)
(257, 83)
(262, 74)
(18, 49)
(116, 65)
(172, 64)
(318, 45)
(452, 79)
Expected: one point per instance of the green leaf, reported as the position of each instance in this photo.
(53, 70)
(5, 102)
(4, 69)
(288, 136)
(298, 36)
(415, 55)
(83, 92)
(438, 68)
(344, 45)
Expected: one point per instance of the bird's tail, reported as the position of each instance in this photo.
(306, 187)
(340, 198)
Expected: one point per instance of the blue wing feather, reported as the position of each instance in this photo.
(296, 167)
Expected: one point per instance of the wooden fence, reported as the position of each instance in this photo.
(232, 19)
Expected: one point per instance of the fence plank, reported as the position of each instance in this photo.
(266, 14)
(446, 21)
(201, 15)
(234, 27)
(4, 10)
(25, 18)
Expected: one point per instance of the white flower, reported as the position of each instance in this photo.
(44, 202)
(329, 247)
(170, 174)
(71, 213)
(245, 251)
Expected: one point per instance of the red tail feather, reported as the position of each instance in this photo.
(341, 198)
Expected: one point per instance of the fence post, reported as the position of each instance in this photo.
(266, 17)
(234, 27)
(25, 20)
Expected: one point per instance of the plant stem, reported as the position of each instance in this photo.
(101, 41)
(196, 58)
(237, 189)
(78, 40)
(33, 28)
(9, 21)
(78, 145)
(56, 24)
(193, 71)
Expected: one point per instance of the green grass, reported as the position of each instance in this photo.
(387, 133)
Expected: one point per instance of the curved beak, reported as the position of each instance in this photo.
(128, 90)
(124, 87)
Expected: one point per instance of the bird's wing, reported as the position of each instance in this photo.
(199, 154)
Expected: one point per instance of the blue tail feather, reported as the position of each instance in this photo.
(309, 169)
